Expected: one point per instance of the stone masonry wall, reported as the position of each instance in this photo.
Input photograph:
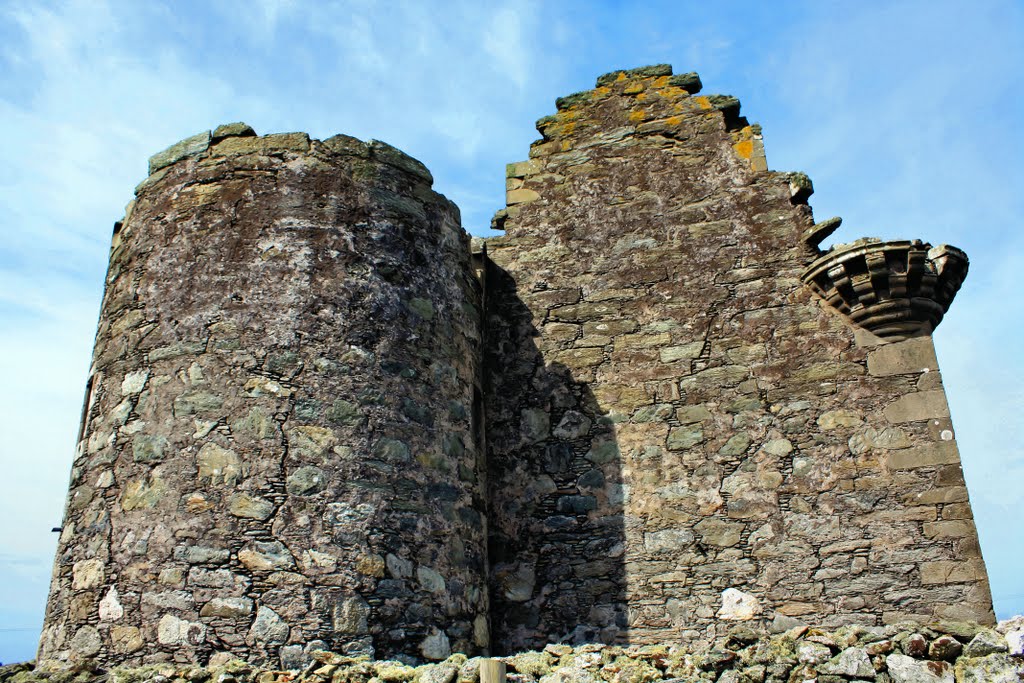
(672, 415)
(280, 447)
(316, 421)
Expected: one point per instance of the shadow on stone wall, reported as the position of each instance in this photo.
(557, 532)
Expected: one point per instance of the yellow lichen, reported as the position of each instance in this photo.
(661, 81)
(745, 148)
(635, 116)
(703, 101)
(671, 92)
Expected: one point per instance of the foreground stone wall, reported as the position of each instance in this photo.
(279, 448)
(909, 653)
(672, 414)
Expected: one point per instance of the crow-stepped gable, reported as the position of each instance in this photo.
(320, 416)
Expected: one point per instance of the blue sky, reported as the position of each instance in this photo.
(906, 115)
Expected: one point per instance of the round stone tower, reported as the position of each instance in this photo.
(280, 441)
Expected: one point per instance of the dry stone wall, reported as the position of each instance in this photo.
(945, 652)
(279, 448)
(678, 429)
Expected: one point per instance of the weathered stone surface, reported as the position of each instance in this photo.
(911, 356)
(986, 642)
(227, 607)
(192, 146)
(942, 453)
(351, 616)
(110, 608)
(921, 405)
(903, 669)
(738, 606)
(229, 130)
(86, 642)
(269, 626)
(259, 458)
(306, 480)
(87, 574)
(945, 647)
(853, 662)
(737, 654)
(668, 540)
(174, 631)
(304, 398)
(990, 669)
(436, 646)
(812, 653)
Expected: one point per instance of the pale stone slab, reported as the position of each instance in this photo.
(738, 606)
(939, 453)
(911, 356)
(921, 405)
(948, 571)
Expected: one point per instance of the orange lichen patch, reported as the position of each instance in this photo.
(675, 120)
(745, 148)
(672, 92)
(703, 101)
(635, 116)
(603, 91)
(642, 96)
(567, 115)
(661, 81)
(621, 77)
(633, 89)
(566, 145)
(568, 128)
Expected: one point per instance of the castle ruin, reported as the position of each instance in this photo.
(319, 415)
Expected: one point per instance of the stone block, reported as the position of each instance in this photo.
(929, 455)
(952, 571)
(229, 130)
(719, 532)
(938, 496)
(521, 196)
(920, 405)
(949, 529)
(192, 146)
(521, 169)
(911, 356)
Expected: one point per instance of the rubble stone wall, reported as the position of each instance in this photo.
(315, 420)
(278, 448)
(945, 652)
(672, 414)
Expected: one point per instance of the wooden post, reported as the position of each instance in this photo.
(492, 671)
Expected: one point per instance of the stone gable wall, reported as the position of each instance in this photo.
(672, 406)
